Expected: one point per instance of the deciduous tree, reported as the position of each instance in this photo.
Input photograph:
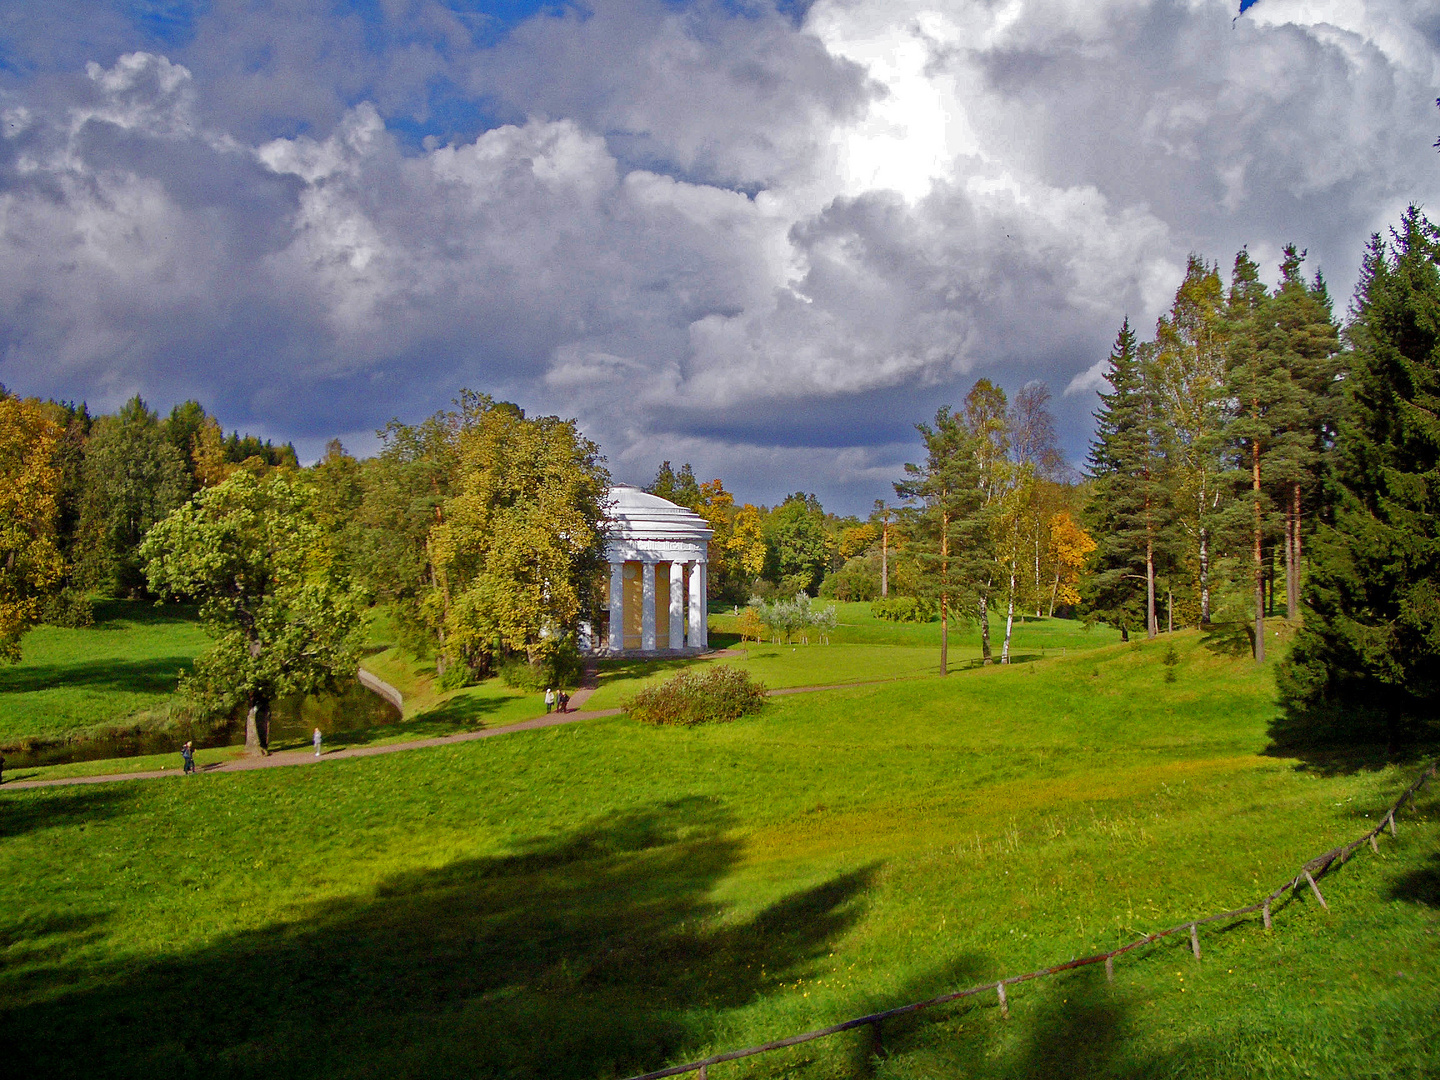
(282, 613)
(31, 566)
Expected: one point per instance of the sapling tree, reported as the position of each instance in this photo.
(278, 604)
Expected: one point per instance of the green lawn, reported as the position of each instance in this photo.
(76, 683)
(601, 899)
(72, 680)
(862, 649)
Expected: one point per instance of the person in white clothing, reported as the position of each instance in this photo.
(317, 742)
(549, 698)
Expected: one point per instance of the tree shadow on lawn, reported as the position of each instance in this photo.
(157, 675)
(116, 614)
(593, 954)
(1325, 744)
(1074, 1025)
(31, 810)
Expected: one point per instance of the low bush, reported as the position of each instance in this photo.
(903, 609)
(557, 664)
(699, 696)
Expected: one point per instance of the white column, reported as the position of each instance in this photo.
(703, 571)
(617, 607)
(647, 607)
(697, 608)
(677, 605)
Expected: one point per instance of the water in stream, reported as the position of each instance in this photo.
(292, 720)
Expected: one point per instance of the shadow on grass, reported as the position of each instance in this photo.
(115, 614)
(1074, 1026)
(1332, 742)
(62, 806)
(594, 954)
(157, 675)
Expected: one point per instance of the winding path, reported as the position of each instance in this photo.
(307, 757)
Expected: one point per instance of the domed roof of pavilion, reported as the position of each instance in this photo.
(637, 515)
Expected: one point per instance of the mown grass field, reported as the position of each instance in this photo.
(70, 681)
(862, 648)
(601, 899)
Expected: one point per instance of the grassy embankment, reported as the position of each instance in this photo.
(862, 649)
(600, 899)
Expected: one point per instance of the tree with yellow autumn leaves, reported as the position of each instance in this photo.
(31, 566)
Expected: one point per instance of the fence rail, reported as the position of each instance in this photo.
(1309, 871)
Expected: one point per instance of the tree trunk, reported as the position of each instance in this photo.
(1169, 612)
(1258, 554)
(257, 728)
(1204, 577)
(1009, 619)
(1038, 594)
(944, 593)
(944, 633)
(1292, 559)
(986, 657)
(885, 559)
(1054, 592)
(1151, 622)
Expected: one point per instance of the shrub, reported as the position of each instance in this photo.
(70, 608)
(699, 696)
(903, 609)
(557, 664)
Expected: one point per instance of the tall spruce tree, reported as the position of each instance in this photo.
(1127, 511)
(1308, 341)
(945, 522)
(1367, 660)
(1266, 419)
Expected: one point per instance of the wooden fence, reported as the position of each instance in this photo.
(1307, 875)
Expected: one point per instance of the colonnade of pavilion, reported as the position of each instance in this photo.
(683, 615)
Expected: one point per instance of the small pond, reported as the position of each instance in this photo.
(292, 720)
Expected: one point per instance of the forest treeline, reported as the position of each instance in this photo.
(1251, 457)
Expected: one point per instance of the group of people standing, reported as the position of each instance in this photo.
(552, 699)
(187, 752)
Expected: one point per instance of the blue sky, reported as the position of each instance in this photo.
(765, 238)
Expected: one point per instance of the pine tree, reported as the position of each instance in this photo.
(946, 523)
(1368, 656)
(1127, 510)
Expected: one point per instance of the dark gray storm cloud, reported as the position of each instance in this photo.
(764, 242)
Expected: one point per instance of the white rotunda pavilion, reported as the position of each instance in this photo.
(656, 590)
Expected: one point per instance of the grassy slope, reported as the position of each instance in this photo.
(71, 680)
(862, 649)
(608, 896)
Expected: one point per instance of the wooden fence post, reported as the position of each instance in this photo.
(1374, 844)
(1194, 941)
(877, 1044)
(1265, 911)
(704, 1072)
(1110, 969)
(1004, 1005)
(1392, 823)
(1316, 890)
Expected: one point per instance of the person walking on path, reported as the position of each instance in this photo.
(187, 754)
(549, 700)
(564, 700)
(317, 742)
